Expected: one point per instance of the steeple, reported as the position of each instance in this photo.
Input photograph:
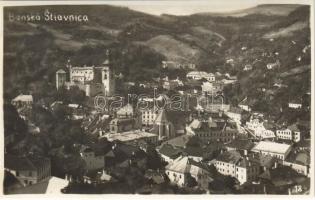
(161, 118)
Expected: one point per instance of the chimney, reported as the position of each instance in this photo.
(245, 152)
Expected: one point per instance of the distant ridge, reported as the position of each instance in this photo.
(264, 9)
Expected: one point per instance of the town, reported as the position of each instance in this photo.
(236, 120)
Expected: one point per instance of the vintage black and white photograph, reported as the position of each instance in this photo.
(180, 97)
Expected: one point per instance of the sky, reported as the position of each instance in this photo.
(181, 7)
(178, 7)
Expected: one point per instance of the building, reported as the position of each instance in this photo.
(198, 75)
(292, 133)
(235, 114)
(274, 149)
(61, 78)
(119, 125)
(28, 170)
(148, 116)
(22, 100)
(213, 130)
(93, 160)
(258, 127)
(299, 161)
(163, 127)
(211, 87)
(92, 80)
(231, 163)
(182, 170)
(244, 104)
(247, 67)
(295, 104)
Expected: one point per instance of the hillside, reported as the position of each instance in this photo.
(139, 42)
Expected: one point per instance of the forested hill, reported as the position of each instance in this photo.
(33, 51)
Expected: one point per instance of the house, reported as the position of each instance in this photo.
(22, 100)
(231, 163)
(274, 149)
(292, 133)
(181, 171)
(235, 113)
(271, 66)
(281, 178)
(299, 161)
(93, 160)
(295, 104)
(259, 127)
(198, 75)
(28, 170)
(247, 67)
(211, 87)
(244, 104)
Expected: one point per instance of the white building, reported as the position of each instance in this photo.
(197, 75)
(257, 127)
(231, 163)
(181, 168)
(22, 100)
(274, 149)
(295, 105)
(290, 133)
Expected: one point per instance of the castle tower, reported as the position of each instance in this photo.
(164, 129)
(108, 78)
(61, 77)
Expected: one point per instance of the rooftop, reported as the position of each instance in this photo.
(272, 147)
(129, 135)
(229, 156)
(23, 97)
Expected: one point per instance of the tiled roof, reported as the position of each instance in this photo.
(229, 156)
(169, 151)
(181, 165)
(241, 144)
(179, 141)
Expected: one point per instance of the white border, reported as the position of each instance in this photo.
(153, 3)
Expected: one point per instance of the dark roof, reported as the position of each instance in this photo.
(169, 151)
(241, 144)
(300, 157)
(194, 151)
(24, 163)
(179, 141)
(229, 156)
(282, 175)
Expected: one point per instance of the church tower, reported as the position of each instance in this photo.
(163, 128)
(61, 77)
(108, 77)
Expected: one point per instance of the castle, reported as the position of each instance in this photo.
(93, 80)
